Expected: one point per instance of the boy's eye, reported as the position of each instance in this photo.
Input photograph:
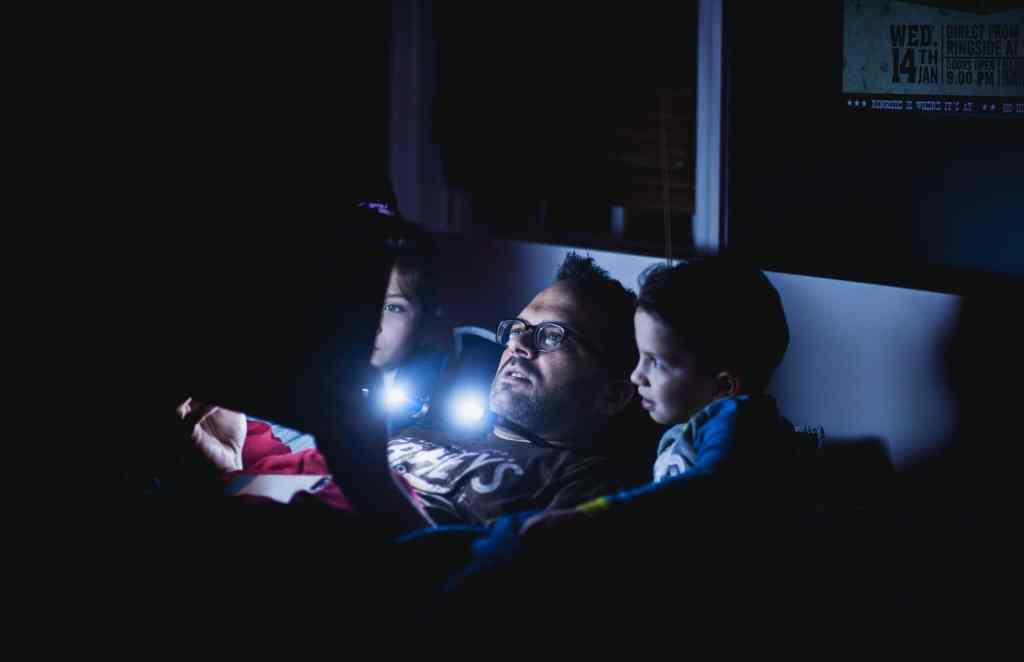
(394, 308)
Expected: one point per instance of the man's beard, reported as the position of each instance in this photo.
(541, 413)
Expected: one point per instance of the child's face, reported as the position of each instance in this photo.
(399, 325)
(668, 382)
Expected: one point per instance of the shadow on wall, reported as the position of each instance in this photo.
(984, 362)
(868, 360)
(962, 501)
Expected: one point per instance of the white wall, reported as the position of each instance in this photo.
(867, 360)
(864, 360)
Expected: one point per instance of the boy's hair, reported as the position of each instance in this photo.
(728, 315)
(615, 304)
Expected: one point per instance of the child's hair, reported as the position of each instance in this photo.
(418, 275)
(411, 248)
(414, 255)
(728, 315)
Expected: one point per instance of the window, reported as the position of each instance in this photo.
(569, 126)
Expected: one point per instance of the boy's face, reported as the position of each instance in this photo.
(399, 324)
(668, 382)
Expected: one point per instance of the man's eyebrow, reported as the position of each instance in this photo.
(564, 323)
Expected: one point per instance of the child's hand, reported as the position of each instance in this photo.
(218, 433)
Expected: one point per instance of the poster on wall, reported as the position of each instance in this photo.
(951, 57)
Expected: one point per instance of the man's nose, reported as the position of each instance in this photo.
(522, 345)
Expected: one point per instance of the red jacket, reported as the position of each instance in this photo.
(265, 454)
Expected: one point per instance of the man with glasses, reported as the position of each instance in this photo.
(561, 381)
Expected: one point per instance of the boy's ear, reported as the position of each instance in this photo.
(617, 394)
(727, 385)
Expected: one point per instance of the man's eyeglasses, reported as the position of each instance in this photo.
(547, 336)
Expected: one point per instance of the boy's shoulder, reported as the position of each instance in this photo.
(716, 435)
(727, 414)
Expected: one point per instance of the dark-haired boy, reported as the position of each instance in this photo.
(728, 477)
(710, 335)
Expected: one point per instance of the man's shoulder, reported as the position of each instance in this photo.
(593, 464)
(588, 463)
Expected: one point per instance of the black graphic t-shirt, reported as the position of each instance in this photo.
(478, 480)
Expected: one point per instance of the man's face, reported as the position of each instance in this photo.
(399, 323)
(668, 382)
(550, 393)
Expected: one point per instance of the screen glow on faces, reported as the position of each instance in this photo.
(400, 319)
(670, 386)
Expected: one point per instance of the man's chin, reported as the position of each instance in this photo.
(498, 401)
(504, 402)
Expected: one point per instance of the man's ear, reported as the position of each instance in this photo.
(727, 384)
(616, 395)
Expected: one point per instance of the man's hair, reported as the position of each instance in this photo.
(612, 305)
(727, 314)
